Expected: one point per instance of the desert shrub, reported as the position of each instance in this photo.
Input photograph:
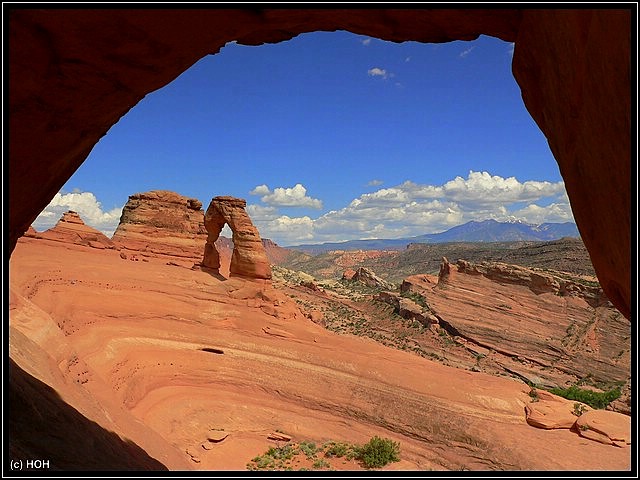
(321, 463)
(309, 449)
(578, 409)
(416, 297)
(591, 398)
(378, 452)
(285, 452)
(339, 449)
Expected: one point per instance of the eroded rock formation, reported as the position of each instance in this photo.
(161, 222)
(549, 323)
(537, 280)
(550, 411)
(249, 258)
(367, 277)
(74, 73)
(72, 229)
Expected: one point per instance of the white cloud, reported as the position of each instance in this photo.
(556, 212)
(467, 51)
(411, 209)
(287, 197)
(375, 183)
(408, 59)
(87, 206)
(366, 41)
(511, 49)
(379, 72)
(481, 188)
(260, 190)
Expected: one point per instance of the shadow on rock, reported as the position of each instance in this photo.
(43, 427)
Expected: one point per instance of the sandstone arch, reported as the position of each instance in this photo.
(74, 73)
(249, 258)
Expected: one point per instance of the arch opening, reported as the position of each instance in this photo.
(555, 88)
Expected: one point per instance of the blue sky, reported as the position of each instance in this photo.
(333, 136)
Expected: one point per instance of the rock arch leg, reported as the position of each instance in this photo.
(214, 224)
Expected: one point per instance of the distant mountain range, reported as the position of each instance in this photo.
(484, 231)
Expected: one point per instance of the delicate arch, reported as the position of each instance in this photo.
(249, 258)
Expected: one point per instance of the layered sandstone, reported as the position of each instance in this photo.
(161, 222)
(72, 229)
(249, 258)
(547, 323)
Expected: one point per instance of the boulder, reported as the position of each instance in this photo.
(606, 427)
(551, 411)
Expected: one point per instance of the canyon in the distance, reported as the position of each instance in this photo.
(168, 346)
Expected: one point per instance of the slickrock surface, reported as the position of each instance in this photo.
(547, 323)
(179, 353)
(71, 229)
(249, 258)
(607, 427)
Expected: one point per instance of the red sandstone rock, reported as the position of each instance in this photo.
(348, 274)
(31, 232)
(279, 437)
(607, 427)
(552, 411)
(249, 258)
(591, 87)
(533, 318)
(71, 229)
(162, 222)
(367, 277)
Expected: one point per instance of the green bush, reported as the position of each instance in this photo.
(379, 452)
(339, 449)
(321, 463)
(309, 449)
(591, 398)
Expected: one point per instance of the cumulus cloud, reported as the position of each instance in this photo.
(481, 188)
(87, 206)
(375, 183)
(467, 51)
(286, 197)
(365, 41)
(411, 209)
(260, 190)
